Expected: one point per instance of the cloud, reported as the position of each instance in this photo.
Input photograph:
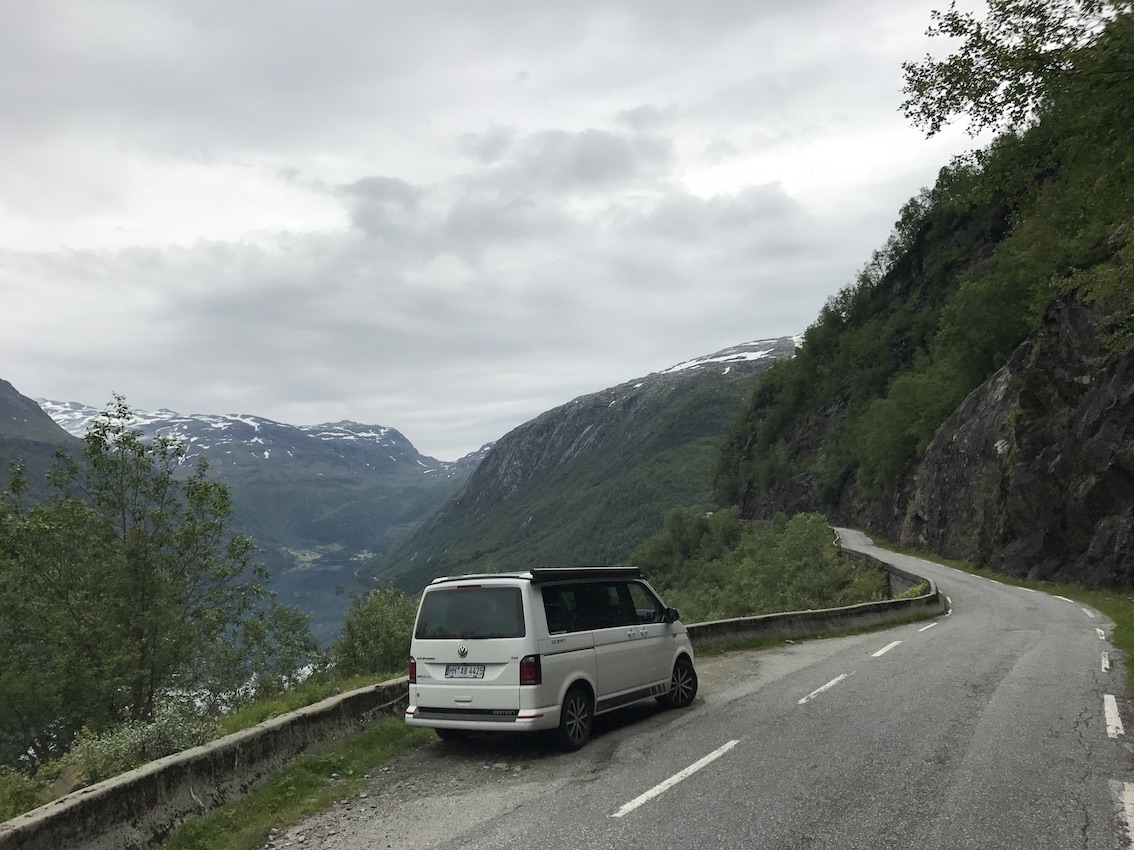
(442, 217)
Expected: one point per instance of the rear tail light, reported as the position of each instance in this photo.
(412, 670)
(531, 673)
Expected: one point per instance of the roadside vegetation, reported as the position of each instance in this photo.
(716, 566)
(134, 623)
(307, 785)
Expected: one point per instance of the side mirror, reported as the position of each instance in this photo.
(670, 615)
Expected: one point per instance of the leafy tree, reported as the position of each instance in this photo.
(718, 566)
(1008, 66)
(126, 587)
(375, 635)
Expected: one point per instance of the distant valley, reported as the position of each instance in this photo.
(343, 507)
(320, 500)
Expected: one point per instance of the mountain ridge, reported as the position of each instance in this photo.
(589, 480)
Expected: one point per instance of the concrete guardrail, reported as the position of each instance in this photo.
(131, 810)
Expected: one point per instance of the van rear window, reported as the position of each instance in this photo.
(469, 613)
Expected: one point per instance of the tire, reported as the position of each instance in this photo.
(452, 734)
(682, 685)
(576, 718)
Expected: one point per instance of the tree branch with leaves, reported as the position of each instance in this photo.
(1008, 65)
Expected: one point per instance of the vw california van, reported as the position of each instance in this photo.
(548, 649)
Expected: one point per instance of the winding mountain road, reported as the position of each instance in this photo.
(999, 725)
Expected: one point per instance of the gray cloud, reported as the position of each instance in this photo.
(442, 217)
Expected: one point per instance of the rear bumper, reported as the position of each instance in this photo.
(525, 720)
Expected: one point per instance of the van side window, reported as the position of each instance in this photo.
(647, 608)
(557, 605)
(587, 605)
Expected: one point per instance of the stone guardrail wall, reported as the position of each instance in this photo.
(130, 810)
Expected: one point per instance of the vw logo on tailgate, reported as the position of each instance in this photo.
(463, 651)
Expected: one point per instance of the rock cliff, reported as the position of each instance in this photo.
(1034, 473)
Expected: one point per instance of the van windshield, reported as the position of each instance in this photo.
(471, 613)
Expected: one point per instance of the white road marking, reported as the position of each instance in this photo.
(673, 780)
(1101, 634)
(930, 626)
(949, 602)
(1064, 598)
(886, 649)
(1028, 589)
(1113, 721)
(1126, 793)
(826, 687)
(1089, 612)
(1105, 662)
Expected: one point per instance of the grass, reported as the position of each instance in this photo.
(307, 785)
(302, 695)
(20, 793)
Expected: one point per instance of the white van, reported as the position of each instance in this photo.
(548, 648)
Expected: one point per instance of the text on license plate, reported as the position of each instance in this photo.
(464, 671)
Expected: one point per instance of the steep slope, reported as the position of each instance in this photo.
(320, 500)
(29, 437)
(971, 392)
(1034, 472)
(590, 480)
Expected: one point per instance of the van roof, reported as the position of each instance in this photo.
(537, 575)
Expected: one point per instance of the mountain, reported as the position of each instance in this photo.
(588, 481)
(320, 500)
(28, 436)
(973, 391)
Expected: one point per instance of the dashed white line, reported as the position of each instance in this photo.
(662, 787)
(886, 649)
(1126, 795)
(826, 687)
(1101, 634)
(1113, 721)
(1106, 662)
(930, 626)
(1088, 612)
(1064, 598)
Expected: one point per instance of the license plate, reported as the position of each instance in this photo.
(464, 671)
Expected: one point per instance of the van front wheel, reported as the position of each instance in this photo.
(575, 719)
(682, 685)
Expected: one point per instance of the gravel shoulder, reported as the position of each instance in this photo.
(438, 791)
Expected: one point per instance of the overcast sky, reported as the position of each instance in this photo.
(441, 217)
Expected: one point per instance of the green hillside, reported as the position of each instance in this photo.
(586, 482)
(1005, 244)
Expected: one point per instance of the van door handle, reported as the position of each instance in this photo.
(643, 632)
(630, 633)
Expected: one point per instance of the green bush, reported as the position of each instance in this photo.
(130, 745)
(914, 592)
(18, 793)
(375, 635)
(716, 566)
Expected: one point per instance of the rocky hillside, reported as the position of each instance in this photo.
(971, 391)
(28, 436)
(590, 480)
(1034, 472)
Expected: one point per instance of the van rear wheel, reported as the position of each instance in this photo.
(575, 719)
(682, 685)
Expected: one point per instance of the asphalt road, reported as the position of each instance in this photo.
(998, 725)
